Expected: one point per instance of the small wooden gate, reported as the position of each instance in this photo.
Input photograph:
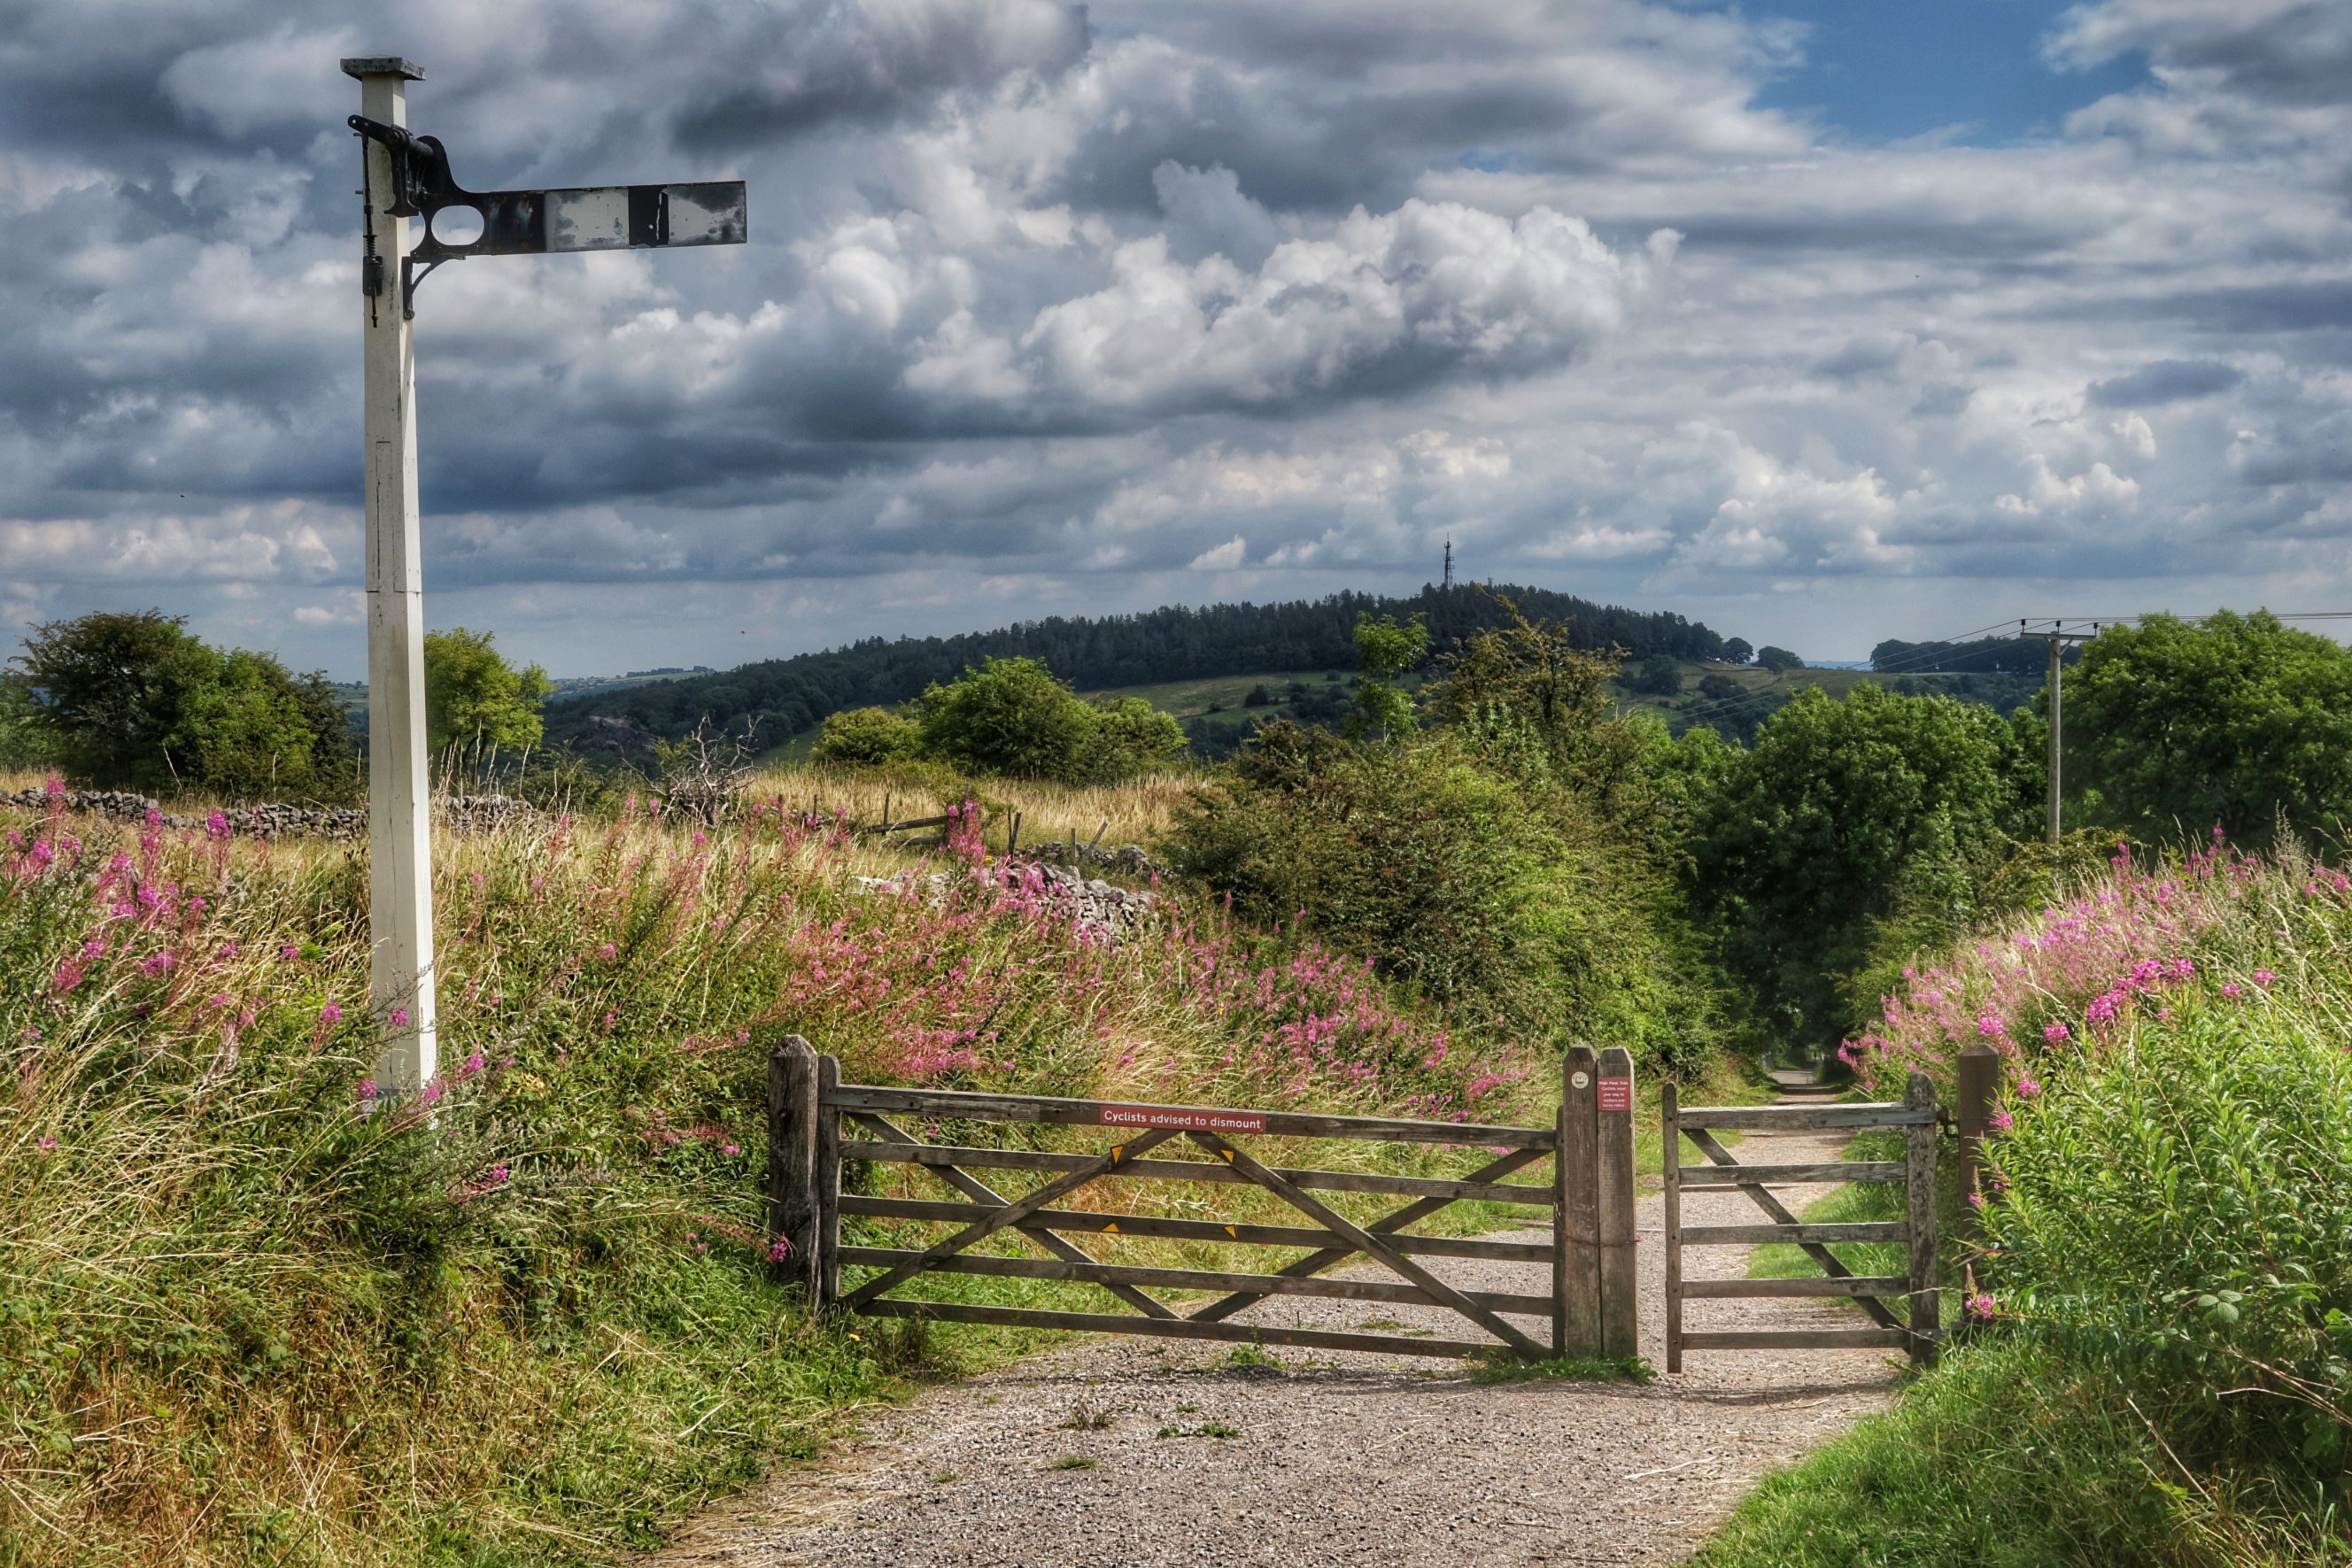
(1588, 1203)
(1914, 1114)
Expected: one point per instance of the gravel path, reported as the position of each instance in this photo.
(1141, 1453)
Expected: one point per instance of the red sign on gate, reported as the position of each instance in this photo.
(1183, 1120)
(1616, 1095)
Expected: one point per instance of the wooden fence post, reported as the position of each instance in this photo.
(792, 1161)
(1919, 1094)
(824, 1291)
(1670, 1110)
(1576, 1220)
(1621, 1320)
(1980, 1072)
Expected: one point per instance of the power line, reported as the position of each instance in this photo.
(1935, 650)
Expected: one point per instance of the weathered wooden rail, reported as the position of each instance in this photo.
(1914, 1114)
(1588, 1197)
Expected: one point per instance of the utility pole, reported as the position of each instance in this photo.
(406, 177)
(1448, 584)
(2057, 638)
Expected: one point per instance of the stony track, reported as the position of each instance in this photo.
(1140, 1454)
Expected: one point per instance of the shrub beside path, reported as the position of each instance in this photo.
(1141, 1453)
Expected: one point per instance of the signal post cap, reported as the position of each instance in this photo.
(384, 66)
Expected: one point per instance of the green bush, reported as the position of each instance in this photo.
(867, 736)
(2178, 1212)
(1013, 717)
(1502, 902)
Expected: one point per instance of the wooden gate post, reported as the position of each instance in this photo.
(1919, 1094)
(1979, 1073)
(1576, 1219)
(1670, 1124)
(824, 1292)
(1620, 1332)
(791, 1163)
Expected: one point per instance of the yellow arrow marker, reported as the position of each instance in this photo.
(1229, 1156)
(1116, 1151)
(1233, 1233)
(1110, 1226)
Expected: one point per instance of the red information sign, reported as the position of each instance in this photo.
(1616, 1095)
(1182, 1120)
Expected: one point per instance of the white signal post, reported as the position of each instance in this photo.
(400, 810)
(407, 177)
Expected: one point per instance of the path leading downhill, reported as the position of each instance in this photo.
(1357, 1460)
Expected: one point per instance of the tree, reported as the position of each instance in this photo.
(1736, 650)
(1777, 659)
(112, 688)
(1010, 717)
(1258, 696)
(2238, 721)
(133, 700)
(1386, 649)
(23, 742)
(1659, 675)
(1721, 688)
(869, 736)
(474, 698)
(1799, 847)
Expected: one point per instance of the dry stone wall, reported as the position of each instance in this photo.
(273, 819)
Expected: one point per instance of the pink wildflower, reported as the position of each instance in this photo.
(1980, 1305)
(2057, 1033)
(48, 1144)
(2028, 1088)
(2002, 1121)
(331, 1014)
(400, 1017)
(608, 952)
(2231, 990)
(2265, 978)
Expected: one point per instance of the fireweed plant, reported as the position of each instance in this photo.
(252, 1308)
(2166, 1231)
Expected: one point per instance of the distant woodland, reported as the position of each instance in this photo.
(780, 697)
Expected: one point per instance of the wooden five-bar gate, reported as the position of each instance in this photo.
(1915, 1115)
(1589, 1309)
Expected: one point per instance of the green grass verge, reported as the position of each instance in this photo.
(2005, 1458)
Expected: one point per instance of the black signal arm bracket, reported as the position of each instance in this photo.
(421, 186)
(532, 223)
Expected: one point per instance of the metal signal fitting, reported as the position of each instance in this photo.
(538, 222)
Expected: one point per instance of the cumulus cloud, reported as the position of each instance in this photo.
(1376, 302)
(1222, 558)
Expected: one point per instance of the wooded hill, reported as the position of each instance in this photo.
(1176, 643)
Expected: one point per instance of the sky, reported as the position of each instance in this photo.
(1822, 321)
